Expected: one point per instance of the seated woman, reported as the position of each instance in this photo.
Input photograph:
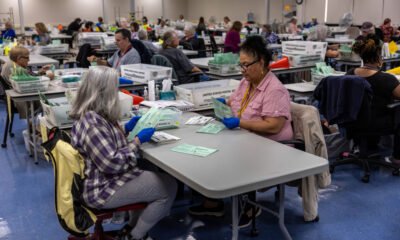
(232, 39)
(385, 88)
(42, 37)
(260, 104)
(19, 57)
(180, 62)
(112, 177)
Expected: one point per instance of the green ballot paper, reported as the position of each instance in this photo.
(221, 110)
(211, 128)
(148, 120)
(194, 150)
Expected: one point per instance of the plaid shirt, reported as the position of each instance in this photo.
(110, 160)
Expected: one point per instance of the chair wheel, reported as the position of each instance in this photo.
(365, 179)
(396, 172)
(331, 169)
(254, 233)
(11, 134)
(4, 145)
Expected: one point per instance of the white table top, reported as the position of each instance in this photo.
(301, 87)
(35, 60)
(244, 161)
(189, 52)
(338, 40)
(201, 62)
(60, 36)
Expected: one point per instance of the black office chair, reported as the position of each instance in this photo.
(361, 128)
(214, 46)
(10, 116)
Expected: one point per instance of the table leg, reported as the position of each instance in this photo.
(34, 132)
(282, 212)
(235, 220)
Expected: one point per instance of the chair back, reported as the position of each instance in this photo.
(214, 46)
(161, 60)
(84, 52)
(68, 165)
(344, 99)
(144, 52)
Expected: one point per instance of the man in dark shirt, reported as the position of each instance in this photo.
(74, 26)
(183, 67)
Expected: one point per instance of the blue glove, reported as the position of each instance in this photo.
(145, 135)
(221, 100)
(231, 123)
(129, 126)
(204, 78)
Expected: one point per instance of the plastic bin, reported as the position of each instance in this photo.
(201, 94)
(52, 49)
(31, 86)
(223, 68)
(57, 115)
(316, 78)
(93, 38)
(145, 72)
(304, 60)
(304, 48)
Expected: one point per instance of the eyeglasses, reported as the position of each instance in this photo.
(26, 57)
(244, 66)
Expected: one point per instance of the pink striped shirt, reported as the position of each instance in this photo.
(271, 99)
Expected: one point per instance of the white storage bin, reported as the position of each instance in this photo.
(50, 49)
(108, 43)
(93, 38)
(316, 78)
(304, 48)
(201, 93)
(31, 86)
(145, 72)
(223, 68)
(57, 115)
(304, 60)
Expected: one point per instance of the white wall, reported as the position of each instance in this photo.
(314, 9)
(363, 7)
(391, 10)
(235, 9)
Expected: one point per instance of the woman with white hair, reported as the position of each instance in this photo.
(112, 177)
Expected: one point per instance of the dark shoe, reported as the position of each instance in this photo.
(246, 218)
(125, 230)
(316, 219)
(201, 210)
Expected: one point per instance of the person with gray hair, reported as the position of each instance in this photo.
(180, 62)
(112, 176)
(143, 37)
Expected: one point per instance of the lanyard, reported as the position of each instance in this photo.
(120, 57)
(246, 100)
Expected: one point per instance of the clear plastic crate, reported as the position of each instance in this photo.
(50, 49)
(316, 78)
(145, 72)
(31, 86)
(201, 93)
(223, 68)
